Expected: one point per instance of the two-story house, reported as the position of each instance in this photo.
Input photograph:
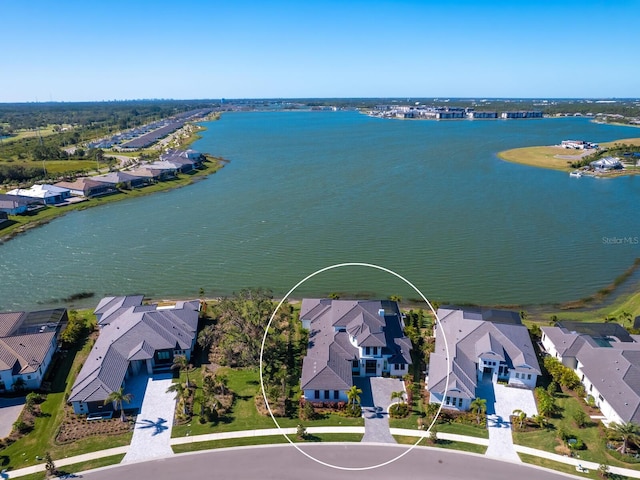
(350, 338)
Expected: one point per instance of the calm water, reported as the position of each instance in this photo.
(304, 190)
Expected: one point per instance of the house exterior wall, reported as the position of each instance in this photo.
(451, 401)
(522, 379)
(325, 395)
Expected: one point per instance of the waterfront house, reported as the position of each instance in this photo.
(28, 341)
(135, 339)
(607, 163)
(478, 345)
(118, 179)
(184, 160)
(606, 358)
(350, 338)
(86, 187)
(14, 204)
(153, 174)
(43, 193)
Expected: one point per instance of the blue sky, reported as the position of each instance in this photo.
(71, 50)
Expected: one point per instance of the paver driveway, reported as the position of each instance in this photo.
(375, 401)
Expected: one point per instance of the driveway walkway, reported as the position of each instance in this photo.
(375, 401)
(501, 402)
(152, 433)
(10, 409)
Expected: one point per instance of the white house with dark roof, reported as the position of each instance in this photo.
(134, 339)
(484, 345)
(350, 338)
(28, 341)
(607, 361)
(44, 193)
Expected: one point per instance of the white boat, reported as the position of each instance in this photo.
(576, 173)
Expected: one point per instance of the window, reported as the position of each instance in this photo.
(326, 394)
(316, 394)
(336, 394)
(529, 377)
(355, 364)
(375, 350)
(459, 402)
(367, 350)
(28, 377)
(448, 401)
(517, 375)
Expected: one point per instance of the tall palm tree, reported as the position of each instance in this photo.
(118, 397)
(353, 395)
(627, 432)
(181, 363)
(479, 407)
(522, 416)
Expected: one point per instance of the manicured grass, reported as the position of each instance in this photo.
(21, 222)
(266, 440)
(91, 464)
(462, 446)
(244, 415)
(411, 423)
(23, 452)
(558, 466)
(593, 435)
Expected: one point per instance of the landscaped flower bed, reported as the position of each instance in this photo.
(75, 427)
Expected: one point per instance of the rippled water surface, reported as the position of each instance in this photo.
(304, 190)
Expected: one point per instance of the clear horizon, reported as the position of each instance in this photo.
(70, 51)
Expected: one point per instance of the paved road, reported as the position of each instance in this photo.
(284, 462)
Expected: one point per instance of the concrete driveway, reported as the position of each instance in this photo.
(501, 402)
(153, 426)
(375, 401)
(10, 409)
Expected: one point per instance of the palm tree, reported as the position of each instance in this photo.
(353, 395)
(181, 363)
(181, 394)
(522, 416)
(118, 397)
(479, 407)
(220, 382)
(627, 432)
(397, 395)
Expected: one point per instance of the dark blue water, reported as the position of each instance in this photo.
(304, 190)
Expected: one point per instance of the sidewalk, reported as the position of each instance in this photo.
(315, 430)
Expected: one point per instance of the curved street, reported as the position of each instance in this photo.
(284, 462)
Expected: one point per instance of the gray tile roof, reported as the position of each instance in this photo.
(109, 306)
(26, 338)
(327, 365)
(132, 333)
(470, 333)
(613, 367)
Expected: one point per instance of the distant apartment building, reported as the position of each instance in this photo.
(521, 114)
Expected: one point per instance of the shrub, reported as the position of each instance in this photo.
(399, 410)
(22, 427)
(353, 411)
(307, 412)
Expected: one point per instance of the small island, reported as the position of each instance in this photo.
(565, 158)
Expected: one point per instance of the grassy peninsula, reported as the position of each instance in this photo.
(555, 157)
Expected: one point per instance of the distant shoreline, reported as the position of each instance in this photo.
(555, 157)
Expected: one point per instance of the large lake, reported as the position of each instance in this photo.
(305, 190)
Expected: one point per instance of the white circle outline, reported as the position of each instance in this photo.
(264, 338)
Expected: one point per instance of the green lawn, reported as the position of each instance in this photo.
(23, 453)
(559, 467)
(592, 435)
(244, 415)
(266, 440)
(411, 423)
(462, 446)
